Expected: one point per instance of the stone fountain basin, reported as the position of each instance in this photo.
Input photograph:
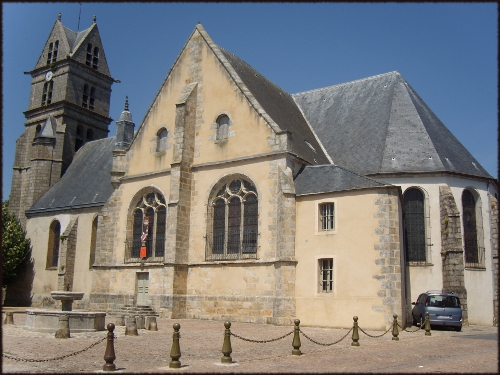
(79, 321)
(66, 296)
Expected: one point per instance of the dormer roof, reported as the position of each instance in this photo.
(48, 129)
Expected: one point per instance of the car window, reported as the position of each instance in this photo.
(421, 298)
(443, 301)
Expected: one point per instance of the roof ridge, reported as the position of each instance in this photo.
(349, 82)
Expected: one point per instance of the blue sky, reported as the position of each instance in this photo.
(446, 51)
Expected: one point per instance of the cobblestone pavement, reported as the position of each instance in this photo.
(473, 350)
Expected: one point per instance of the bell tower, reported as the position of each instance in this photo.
(68, 106)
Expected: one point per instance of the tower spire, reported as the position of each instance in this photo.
(126, 103)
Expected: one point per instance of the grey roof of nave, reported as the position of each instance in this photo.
(380, 125)
(331, 178)
(86, 183)
(281, 107)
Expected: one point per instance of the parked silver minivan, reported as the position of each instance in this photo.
(443, 307)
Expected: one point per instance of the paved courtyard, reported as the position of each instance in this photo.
(473, 350)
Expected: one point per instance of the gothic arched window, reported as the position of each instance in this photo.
(53, 246)
(474, 252)
(85, 98)
(95, 59)
(92, 98)
(414, 225)
(162, 140)
(47, 93)
(52, 54)
(148, 221)
(234, 211)
(222, 127)
(88, 60)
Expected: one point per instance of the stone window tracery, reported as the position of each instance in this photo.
(148, 226)
(234, 215)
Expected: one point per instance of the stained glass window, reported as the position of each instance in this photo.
(470, 227)
(414, 225)
(234, 221)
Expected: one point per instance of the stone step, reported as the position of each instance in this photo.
(133, 310)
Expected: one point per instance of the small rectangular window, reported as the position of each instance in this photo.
(326, 275)
(327, 216)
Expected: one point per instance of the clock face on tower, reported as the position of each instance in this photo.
(48, 76)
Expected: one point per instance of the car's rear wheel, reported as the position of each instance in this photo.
(458, 329)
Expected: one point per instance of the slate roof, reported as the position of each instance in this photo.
(86, 182)
(49, 128)
(380, 125)
(74, 37)
(280, 106)
(331, 178)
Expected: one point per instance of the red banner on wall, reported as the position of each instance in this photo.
(142, 254)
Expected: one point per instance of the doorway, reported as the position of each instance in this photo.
(142, 288)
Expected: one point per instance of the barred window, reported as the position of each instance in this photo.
(234, 212)
(414, 225)
(53, 246)
(326, 275)
(149, 220)
(327, 216)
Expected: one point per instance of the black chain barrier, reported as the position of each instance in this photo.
(406, 329)
(374, 336)
(260, 341)
(323, 344)
(55, 358)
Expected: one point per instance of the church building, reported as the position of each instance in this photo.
(235, 200)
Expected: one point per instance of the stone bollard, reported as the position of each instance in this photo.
(139, 320)
(355, 333)
(175, 352)
(9, 317)
(120, 320)
(109, 354)
(296, 338)
(63, 329)
(395, 331)
(226, 347)
(131, 327)
(427, 325)
(151, 323)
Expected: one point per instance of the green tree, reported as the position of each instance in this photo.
(15, 246)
